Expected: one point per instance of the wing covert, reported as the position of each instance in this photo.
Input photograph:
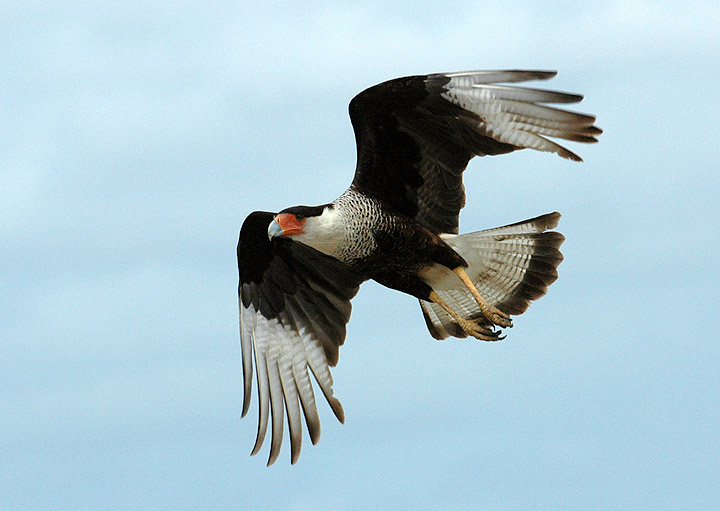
(294, 305)
(415, 135)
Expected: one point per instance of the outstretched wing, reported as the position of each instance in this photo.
(415, 135)
(294, 305)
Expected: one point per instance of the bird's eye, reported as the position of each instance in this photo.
(300, 218)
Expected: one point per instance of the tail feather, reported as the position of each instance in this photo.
(511, 266)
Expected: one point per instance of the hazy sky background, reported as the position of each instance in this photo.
(134, 139)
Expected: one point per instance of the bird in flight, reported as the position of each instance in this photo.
(397, 224)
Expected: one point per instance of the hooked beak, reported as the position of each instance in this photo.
(285, 224)
(274, 230)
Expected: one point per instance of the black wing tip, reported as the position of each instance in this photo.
(533, 74)
(543, 74)
(314, 434)
(550, 220)
(569, 155)
(541, 223)
(337, 409)
(294, 452)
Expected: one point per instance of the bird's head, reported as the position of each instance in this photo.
(297, 221)
(316, 226)
(286, 224)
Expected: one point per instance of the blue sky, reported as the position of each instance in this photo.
(135, 139)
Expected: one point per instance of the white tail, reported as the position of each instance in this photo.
(511, 266)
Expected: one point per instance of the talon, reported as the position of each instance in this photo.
(480, 331)
(499, 317)
(477, 328)
(493, 314)
(493, 337)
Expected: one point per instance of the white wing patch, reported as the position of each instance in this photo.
(516, 115)
(283, 348)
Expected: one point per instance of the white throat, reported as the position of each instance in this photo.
(326, 233)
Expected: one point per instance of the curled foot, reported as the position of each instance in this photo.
(497, 317)
(480, 331)
(494, 315)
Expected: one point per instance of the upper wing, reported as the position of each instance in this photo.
(415, 135)
(294, 304)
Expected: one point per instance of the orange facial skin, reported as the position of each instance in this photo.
(290, 224)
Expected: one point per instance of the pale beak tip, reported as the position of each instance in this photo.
(274, 230)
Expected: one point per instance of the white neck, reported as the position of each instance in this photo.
(325, 233)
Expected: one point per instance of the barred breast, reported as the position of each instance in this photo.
(361, 216)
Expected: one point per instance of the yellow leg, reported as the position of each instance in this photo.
(493, 314)
(472, 328)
